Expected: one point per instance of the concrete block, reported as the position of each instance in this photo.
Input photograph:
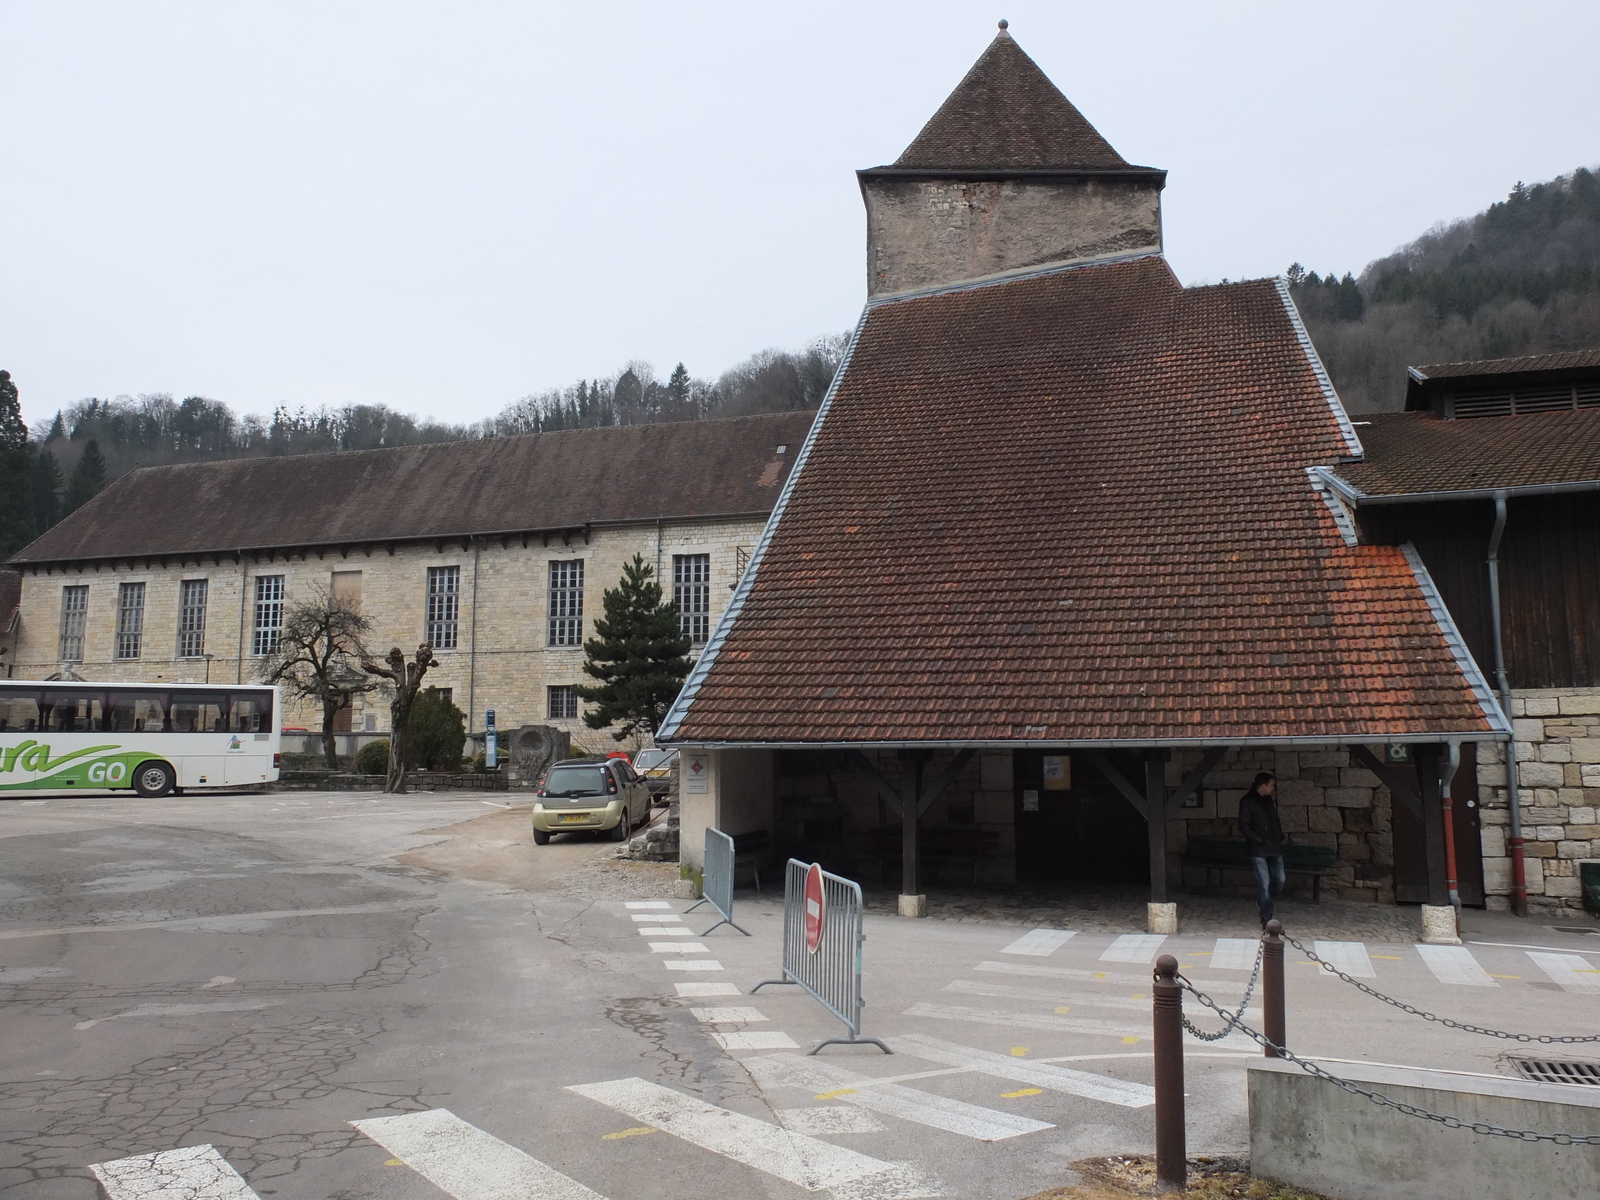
(1162, 918)
(1324, 1139)
(1586, 701)
(1439, 925)
(1542, 775)
(1527, 729)
(1350, 797)
(913, 906)
(1555, 752)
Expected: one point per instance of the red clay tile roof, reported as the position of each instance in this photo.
(1566, 360)
(1006, 114)
(1417, 452)
(536, 481)
(1074, 507)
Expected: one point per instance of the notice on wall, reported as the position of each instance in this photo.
(1057, 773)
(1030, 800)
(696, 770)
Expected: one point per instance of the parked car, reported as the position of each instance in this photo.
(656, 767)
(595, 795)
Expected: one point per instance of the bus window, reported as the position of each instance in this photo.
(252, 712)
(70, 712)
(195, 714)
(19, 712)
(136, 712)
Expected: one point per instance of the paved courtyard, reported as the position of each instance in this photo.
(362, 996)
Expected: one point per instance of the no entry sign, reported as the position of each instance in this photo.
(813, 903)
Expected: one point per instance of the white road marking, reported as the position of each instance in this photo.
(1018, 1070)
(222, 921)
(727, 1016)
(1143, 981)
(756, 1039)
(1134, 948)
(182, 1010)
(467, 1163)
(692, 964)
(193, 1173)
(924, 1108)
(1235, 954)
(218, 981)
(656, 919)
(835, 1118)
(1040, 942)
(1574, 974)
(696, 989)
(1349, 957)
(1455, 964)
(665, 931)
(678, 947)
(1107, 999)
(794, 1158)
(1055, 1024)
(648, 904)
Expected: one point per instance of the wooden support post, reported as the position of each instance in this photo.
(1428, 775)
(912, 902)
(1155, 808)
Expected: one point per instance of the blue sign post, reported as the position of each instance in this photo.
(491, 743)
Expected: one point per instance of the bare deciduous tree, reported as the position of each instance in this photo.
(318, 657)
(407, 680)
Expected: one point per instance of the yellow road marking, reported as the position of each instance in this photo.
(1022, 1092)
(622, 1133)
(395, 1162)
(1019, 1052)
(1505, 977)
(1128, 1041)
(1396, 957)
(1063, 1009)
(1137, 996)
(835, 1094)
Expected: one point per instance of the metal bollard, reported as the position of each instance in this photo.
(1272, 1014)
(1172, 1172)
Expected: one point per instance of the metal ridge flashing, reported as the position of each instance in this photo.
(708, 657)
(1017, 273)
(1317, 369)
(1458, 644)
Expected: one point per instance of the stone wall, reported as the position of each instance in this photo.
(1557, 746)
(503, 664)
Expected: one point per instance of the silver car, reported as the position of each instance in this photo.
(601, 796)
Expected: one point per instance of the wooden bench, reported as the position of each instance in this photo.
(1315, 861)
(938, 846)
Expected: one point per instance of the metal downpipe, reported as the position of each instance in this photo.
(1451, 875)
(1519, 874)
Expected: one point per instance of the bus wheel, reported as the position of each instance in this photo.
(154, 779)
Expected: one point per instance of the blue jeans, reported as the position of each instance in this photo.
(1269, 883)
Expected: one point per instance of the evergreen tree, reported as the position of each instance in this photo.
(437, 730)
(678, 395)
(640, 658)
(16, 476)
(47, 488)
(58, 429)
(88, 477)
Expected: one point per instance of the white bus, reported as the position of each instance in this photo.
(156, 739)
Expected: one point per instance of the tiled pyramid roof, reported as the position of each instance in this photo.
(1006, 114)
(1074, 507)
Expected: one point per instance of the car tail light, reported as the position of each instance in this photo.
(277, 761)
(611, 784)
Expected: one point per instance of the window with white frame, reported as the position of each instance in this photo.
(130, 619)
(74, 613)
(691, 592)
(566, 603)
(268, 627)
(192, 618)
(444, 606)
(563, 702)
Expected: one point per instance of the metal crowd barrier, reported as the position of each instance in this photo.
(830, 970)
(716, 887)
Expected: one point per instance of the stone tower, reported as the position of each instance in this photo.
(1006, 175)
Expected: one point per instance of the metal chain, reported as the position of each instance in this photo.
(1233, 1018)
(1543, 1039)
(1410, 1110)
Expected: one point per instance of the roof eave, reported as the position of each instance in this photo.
(1157, 175)
(1365, 500)
(1372, 737)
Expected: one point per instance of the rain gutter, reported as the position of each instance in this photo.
(1519, 873)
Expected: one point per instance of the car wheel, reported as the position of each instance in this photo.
(154, 779)
(619, 831)
(541, 838)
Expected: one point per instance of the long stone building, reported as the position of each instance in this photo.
(493, 552)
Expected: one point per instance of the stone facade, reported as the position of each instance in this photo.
(501, 658)
(1557, 749)
(924, 232)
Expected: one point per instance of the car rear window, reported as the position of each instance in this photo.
(575, 781)
(649, 759)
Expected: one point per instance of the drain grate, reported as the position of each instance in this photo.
(1544, 1070)
(1589, 929)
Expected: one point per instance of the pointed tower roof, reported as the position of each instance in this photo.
(1006, 115)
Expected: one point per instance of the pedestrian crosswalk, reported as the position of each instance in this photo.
(192, 1173)
(463, 1161)
(1572, 972)
(1455, 965)
(1134, 948)
(1039, 942)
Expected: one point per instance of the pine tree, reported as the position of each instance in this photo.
(640, 658)
(678, 394)
(16, 501)
(47, 487)
(88, 477)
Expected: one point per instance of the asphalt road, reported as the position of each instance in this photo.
(257, 973)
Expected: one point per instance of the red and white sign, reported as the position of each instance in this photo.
(813, 903)
(696, 770)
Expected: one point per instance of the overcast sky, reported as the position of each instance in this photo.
(443, 207)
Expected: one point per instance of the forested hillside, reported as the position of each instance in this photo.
(1522, 277)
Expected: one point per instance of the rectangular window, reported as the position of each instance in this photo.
(346, 588)
(192, 618)
(691, 592)
(563, 703)
(566, 603)
(130, 619)
(444, 606)
(74, 612)
(269, 614)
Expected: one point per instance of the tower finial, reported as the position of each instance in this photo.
(1004, 25)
